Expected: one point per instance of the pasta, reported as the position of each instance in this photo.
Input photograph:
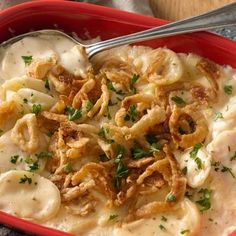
(135, 141)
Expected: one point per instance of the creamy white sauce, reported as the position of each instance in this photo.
(47, 208)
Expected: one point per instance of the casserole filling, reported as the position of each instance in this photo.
(136, 141)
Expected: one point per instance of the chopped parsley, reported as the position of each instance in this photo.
(25, 100)
(218, 166)
(185, 231)
(163, 218)
(68, 168)
(36, 108)
(218, 115)
(199, 163)
(46, 85)
(194, 152)
(138, 153)
(132, 113)
(27, 59)
(111, 87)
(34, 166)
(107, 114)
(155, 147)
(103, 132)
(151, 138)
(112, 217)
(193, 155)
(103, 158)
(120, 151)
(73, 114)
(204, 201)
(178, 100)
(163, 228)
(171, 197)
(134, 79)
(14, 159)
(184, 170)
(25, 179)
(44, 154)
(228, 89)
(227, 169)
(89, 105)
(233, 157)
(122, 169)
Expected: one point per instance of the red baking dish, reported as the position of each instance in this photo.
(90, 21)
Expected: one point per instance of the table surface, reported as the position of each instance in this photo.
(229, 32)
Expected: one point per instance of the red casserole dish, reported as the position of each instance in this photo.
(89, 21)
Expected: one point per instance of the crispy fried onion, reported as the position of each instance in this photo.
(164, 68)
(168, 167)
(99, 174)
(39, 67)
(119, 72)
(154, 116)
(7, 109)
(25, 133)
(211, 71)
(65, 82)
(188, 126)
(143, 102)
(101, 103)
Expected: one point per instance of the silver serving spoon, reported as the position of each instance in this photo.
(220, 17)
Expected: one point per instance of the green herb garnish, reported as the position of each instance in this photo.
(185, 231)
(233, 157)
(103, 132)
(162, 227)
(138, 153)
(111, 87)
(46, 85)
(27, 59)
(103, 158)
(68, 168)
(134, 79)
(44, 154)
(73, 114)
(218, 115)
(227, 169)
(25, 179)
(228, 89)
(178, 100)
(199, 163)
(163, 218)
(25, 100)
(204, 201)
(171, 197)
(89, 105)
(122, 169)
(194, 152)
(132, 113)
(120, 151)
(14, 159)
(36, 108)
(184, 170)
(34, 166)
(112, 217)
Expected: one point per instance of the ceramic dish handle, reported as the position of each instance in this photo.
(220, 17)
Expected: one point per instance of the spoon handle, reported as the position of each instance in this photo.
(220, 17)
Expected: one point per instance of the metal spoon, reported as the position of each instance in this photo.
(220, 17)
